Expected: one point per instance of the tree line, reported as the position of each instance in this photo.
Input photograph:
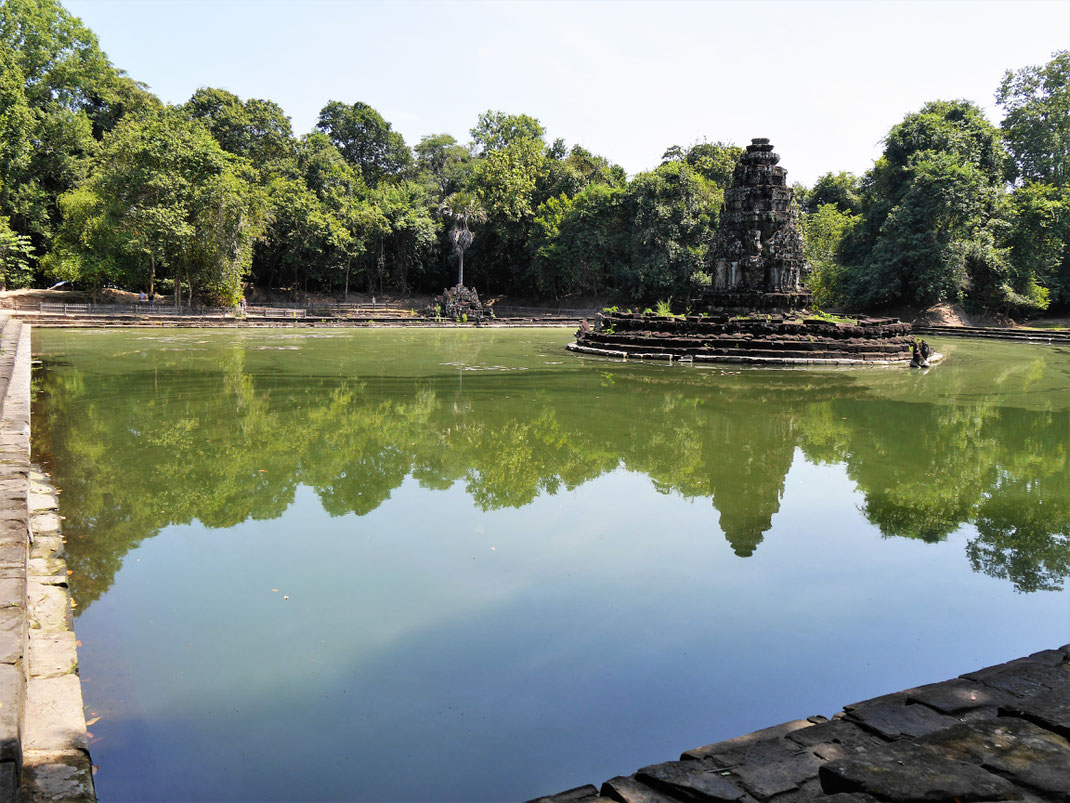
(103, 184)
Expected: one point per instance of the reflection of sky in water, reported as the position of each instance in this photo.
(431, 649)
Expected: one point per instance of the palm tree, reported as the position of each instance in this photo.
(462, 208)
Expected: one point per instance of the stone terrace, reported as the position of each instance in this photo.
(995, 734)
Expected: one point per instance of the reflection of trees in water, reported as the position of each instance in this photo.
(134, 454)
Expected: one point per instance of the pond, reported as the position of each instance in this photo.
(466, 565)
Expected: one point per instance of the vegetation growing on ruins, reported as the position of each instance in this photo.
(101, 183)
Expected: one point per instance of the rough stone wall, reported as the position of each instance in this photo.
(758, 246)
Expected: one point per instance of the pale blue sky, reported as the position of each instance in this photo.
(824, 80)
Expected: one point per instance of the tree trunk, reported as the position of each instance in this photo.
(460, 267)
(346, 296)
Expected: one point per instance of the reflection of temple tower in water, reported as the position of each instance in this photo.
(748, 466)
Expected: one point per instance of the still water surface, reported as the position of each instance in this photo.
(442, 565)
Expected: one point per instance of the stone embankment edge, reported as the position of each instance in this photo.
(74, 321)
(999, 733)
(44, 751)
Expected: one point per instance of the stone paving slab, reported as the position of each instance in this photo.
(906, 772)
(59, 777)
(52, 654)
(1015, 749)
(692, 780)
(50, 607)
(774, 732)
(1000, 733)
(54, 714)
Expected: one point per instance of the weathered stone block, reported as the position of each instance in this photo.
(51, 654)
(1050, 709)
(12, 634)
(835, 739)
(14, 533)
(13, 555)
(45, 523)
(954, 697)
(766, 734)
(895, 718)
(46, 569)
(692, 780)
(13, 592)
(1011, 748)
(906, 773)
(46, 546)
(59, 777)
(54, 716)
(11, 703)
(49, 607)
(9, 782)
(1050, 657)
(42, 502)
(628, 790)
(1023, 678)
(581, 794)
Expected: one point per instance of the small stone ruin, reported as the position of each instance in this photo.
(459, 303)
(755, 309)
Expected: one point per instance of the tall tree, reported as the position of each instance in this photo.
(16, 122)
(672, 213)
(461, 209)
(495, 130)
(15, 252)
(164, 198)
(929, 208)
(823, 232)
(74, 95)
(444, 161)
(366, 141)
(842, 189)
(1036, 125)
(256, 129)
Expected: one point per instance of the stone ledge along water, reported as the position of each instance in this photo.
(44, 749)
(999, 733)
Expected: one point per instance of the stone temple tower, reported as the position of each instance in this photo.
(758, 261)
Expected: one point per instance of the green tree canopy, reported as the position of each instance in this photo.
(842, 189)
(366, 141)
(164, 198)
(1036, 104)
(930, 214)
(444, 161)
(496, 130)
(256, 129)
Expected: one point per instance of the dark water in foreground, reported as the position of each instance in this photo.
(439, 565)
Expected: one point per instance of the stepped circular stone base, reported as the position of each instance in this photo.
(756, 339)
(724, 358)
